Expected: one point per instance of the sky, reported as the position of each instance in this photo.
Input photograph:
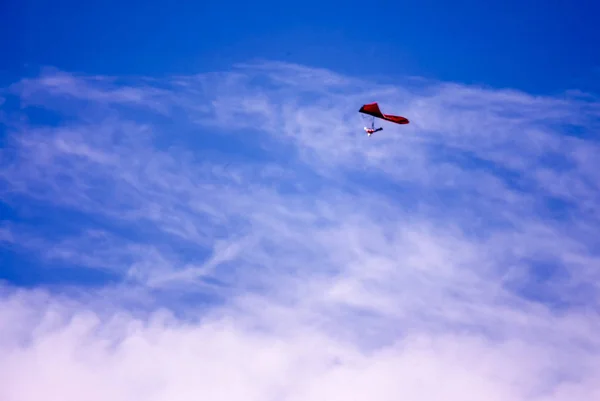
(190, 208)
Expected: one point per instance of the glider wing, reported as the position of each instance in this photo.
(372, 109)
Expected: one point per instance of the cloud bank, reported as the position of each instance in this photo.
(236, 236)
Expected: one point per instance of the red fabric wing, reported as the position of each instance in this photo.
(395, 119)
(372, 109)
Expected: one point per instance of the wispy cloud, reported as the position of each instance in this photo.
(453, 258)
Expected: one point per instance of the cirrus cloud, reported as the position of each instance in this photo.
(257, 246)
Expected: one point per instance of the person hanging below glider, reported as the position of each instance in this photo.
(372, 109)
(372, 130)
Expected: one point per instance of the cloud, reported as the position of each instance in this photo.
(260, 247)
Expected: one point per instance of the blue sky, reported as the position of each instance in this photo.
(538, 46)
(189, 207)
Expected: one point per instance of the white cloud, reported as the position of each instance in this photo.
(302, 260)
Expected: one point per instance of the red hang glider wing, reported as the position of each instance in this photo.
(395, 119)
(372, 109)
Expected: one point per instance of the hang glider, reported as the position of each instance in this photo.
(372, 109)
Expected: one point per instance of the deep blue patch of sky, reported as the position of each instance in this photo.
(536, 45)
